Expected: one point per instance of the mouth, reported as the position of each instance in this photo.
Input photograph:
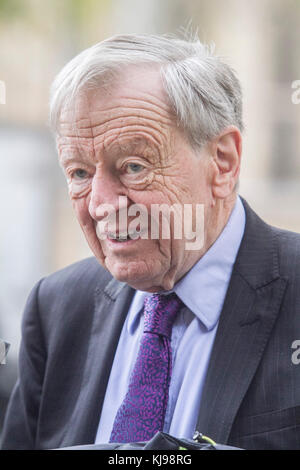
(122, 238)
(117, 237)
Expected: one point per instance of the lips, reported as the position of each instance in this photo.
(119, 236)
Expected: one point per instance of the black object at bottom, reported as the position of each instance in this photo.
(161, 441)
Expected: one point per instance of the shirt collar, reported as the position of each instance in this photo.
(204, 287)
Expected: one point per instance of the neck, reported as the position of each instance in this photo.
(215, 221)
(218, 219)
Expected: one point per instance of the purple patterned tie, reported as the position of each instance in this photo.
(143, 409)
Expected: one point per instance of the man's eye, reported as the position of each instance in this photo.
(80, 174)
(134, 168)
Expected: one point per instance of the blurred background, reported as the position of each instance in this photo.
(38, 231)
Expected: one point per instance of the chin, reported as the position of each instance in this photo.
(136, 274)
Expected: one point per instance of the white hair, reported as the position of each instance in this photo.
(203, 90)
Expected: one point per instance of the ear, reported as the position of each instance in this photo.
(227, 150)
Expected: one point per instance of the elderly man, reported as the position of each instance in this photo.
(152, 333)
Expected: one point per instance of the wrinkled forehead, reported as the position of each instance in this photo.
(137, 91)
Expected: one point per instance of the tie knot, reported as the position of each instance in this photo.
(160, 312)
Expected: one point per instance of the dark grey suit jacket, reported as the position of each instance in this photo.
(71, 327)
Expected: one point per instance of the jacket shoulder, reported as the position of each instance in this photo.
(267, 251)
(87, 273)
(66, 298)
(288, 242)
(288, 246)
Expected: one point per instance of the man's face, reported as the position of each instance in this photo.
(125, 142)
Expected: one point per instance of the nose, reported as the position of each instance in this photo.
(105, 193)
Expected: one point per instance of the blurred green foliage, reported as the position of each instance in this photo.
(12, 8)
(70, 22)
(77, 11)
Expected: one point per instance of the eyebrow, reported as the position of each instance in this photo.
(68, 158)
(117, 147)
(150, 148)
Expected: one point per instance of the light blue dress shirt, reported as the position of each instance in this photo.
(202, 290)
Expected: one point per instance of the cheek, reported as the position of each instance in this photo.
(145, 197)
(81, 208)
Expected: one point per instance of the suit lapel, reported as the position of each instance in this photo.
(250, 309)
(111, 308)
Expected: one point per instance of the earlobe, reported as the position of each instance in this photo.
(227, 155)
